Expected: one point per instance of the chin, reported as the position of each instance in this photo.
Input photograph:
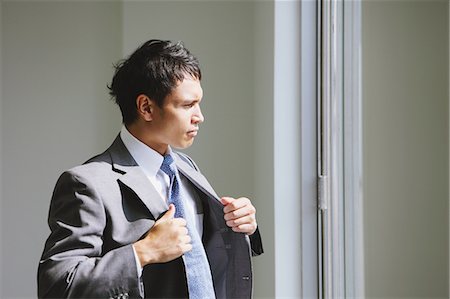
(182, 146)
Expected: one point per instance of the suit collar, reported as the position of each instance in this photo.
(121, 159)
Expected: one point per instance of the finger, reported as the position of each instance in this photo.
(169, 213)
(183, 231)
(226, 200)
(245, 228)
(186, 239)
(236, 204)
(187, 247)
(242, 212)
(250, 219)
(179, 222)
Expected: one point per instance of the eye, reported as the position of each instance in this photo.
(190, 105)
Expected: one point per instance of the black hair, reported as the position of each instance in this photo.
(154, 70)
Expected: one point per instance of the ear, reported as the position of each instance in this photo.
(145, 107)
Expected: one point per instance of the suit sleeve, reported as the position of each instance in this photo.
(73, 264)
(256, 243)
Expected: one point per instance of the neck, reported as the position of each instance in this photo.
(142, 134)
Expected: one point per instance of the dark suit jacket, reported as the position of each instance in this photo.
(100, 208)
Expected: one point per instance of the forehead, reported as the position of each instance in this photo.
(187, 90)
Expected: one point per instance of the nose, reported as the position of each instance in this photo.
(198, 116)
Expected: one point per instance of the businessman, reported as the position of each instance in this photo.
(140, 220)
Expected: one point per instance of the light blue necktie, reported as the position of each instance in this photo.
(198, 273)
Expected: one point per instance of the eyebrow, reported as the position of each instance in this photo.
(190, 100)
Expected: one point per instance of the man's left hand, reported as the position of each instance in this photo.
(240, 214)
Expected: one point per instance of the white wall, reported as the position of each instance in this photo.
(56, 113)
(406, 149)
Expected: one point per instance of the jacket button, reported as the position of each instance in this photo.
(246, 277)
(228, 246)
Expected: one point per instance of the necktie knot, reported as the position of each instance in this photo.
(167, 166)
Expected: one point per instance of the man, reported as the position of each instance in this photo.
(140, 220)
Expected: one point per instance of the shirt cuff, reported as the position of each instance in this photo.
(138, 263)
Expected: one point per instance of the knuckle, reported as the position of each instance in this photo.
(234, 204)
(180, 248)
(181, 238)
(230, 223)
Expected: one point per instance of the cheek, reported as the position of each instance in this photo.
(179, 126)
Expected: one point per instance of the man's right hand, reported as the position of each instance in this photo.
(167, 240)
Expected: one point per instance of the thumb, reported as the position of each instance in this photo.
(169, 214)
(226, 200)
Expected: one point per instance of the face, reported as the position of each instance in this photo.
(176, 122)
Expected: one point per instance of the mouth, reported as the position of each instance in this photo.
(193, 133)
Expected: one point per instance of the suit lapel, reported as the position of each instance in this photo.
(135, 179)
(196, 178)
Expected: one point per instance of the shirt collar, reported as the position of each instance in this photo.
(147, 158)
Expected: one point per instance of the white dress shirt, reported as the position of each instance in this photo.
(150, 162)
